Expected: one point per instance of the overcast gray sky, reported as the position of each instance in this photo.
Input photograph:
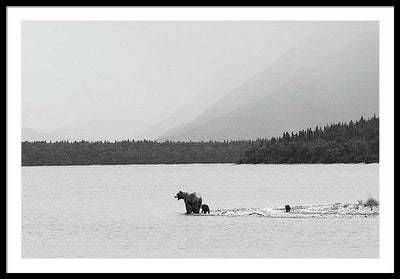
(116, 80)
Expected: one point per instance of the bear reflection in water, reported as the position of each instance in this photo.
(192, 201)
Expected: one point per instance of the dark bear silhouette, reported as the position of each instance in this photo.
(287, 208)
(205, 209)
(192, 201)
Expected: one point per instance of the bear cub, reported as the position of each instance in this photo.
(205, 209)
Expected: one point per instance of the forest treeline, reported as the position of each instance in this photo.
(353, 142)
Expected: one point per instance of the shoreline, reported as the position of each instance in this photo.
(181, 164)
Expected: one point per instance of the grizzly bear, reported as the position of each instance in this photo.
(205, 209)
(192, 201)
(287, 208)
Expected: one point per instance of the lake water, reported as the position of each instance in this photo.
(130, 211)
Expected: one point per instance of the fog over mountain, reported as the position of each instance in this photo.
(116, 80)
(194, 80)
(332, 75)
(28, 134)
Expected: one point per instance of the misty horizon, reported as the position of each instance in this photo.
(115, 81)
(34, 133)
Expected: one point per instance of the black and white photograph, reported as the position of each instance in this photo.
(175, 138)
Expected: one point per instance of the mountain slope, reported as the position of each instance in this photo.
(331, 76)
(28, 134)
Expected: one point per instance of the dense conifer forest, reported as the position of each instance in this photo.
(353, 142)
(336, 143)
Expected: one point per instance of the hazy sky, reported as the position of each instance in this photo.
(116, 80)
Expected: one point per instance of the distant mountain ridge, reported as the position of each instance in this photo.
(329, 77)
(29, 134)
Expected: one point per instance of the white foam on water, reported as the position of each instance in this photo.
(336, 210)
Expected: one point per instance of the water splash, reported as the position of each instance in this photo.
(336, 210)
